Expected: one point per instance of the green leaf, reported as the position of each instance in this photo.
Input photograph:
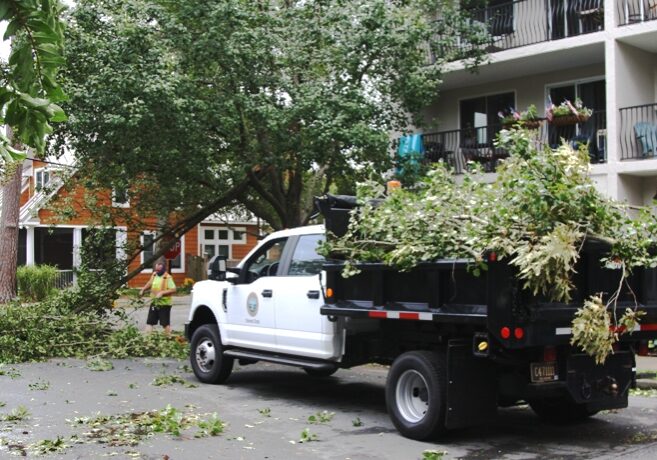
(12, 28)
(59, 114)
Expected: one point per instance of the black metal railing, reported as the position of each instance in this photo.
(526, 22)
(633, 11)
(459, 148)
(638, 132)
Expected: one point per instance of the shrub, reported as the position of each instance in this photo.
(36, 282)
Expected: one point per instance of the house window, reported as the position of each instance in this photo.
(220, 241)
(42, 177)
(147, 244)
(147, 240)
(120, 197)
(479, 117)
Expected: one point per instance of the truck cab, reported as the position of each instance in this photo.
(269, 311)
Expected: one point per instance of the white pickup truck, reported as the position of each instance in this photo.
(269, 311)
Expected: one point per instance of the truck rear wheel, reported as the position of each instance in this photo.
(415, 394)
(206, 355)
(559, 410)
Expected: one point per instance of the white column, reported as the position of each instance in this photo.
(29, 246)
(121, 242)
(77, 245)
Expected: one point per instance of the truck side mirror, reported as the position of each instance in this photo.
(218, 269)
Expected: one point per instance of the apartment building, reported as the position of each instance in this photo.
(603, 52)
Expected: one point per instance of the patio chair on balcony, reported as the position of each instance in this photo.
(646, 137)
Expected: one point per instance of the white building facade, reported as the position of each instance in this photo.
(603, 52)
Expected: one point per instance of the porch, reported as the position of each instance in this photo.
(460, 147)
(638, 132)
(635, 11)
(513, 24)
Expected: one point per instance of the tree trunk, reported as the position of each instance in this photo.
(11, 194)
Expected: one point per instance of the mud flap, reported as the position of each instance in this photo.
(471, 387)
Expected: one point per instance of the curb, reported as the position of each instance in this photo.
(646, 384)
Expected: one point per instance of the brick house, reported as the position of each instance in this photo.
(47, 238)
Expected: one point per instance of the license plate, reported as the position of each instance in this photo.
(544, 372)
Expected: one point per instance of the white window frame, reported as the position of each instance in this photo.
(120, 204)
(43, 172)
(216, 242)
(182, 253)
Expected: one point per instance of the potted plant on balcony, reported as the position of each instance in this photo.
(528, 118)
(567, 113)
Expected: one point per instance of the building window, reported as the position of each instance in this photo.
(220, 241)
(592, 94)
(147, 244)
(120, 197)
(479, 117)
(176, 265)
(42, 177)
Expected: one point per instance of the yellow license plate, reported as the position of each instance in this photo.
(544, 372)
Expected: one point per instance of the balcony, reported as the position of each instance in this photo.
(634, 11)
(638, 132)
(526, 22)
(460, 148)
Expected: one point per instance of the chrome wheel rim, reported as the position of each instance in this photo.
(205, 355)
(412, 396)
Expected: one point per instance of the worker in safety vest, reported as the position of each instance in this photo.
(162, 288)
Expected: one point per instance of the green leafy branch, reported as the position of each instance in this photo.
(29, 91)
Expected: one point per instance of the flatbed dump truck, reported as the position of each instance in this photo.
(458, 345)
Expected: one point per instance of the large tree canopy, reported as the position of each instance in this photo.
(193, 105)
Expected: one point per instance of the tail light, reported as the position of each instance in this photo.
(505, 332)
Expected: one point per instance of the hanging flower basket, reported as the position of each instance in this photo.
(532, 124)
(568, 120)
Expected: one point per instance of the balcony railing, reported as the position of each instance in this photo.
(526, 22)
(633, 11)
(460, 147)
(638, 132)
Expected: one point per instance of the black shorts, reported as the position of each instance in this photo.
(161, 314)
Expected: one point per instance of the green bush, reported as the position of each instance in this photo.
(36, 282)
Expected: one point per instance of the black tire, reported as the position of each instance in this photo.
(206, 355)
(416, 394)
(324, 372)
(561, 409)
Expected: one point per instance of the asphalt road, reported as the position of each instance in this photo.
(267, 407)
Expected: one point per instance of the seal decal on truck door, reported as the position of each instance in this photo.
(252, 304)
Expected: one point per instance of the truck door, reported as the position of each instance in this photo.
(300, 329)
(250, 303)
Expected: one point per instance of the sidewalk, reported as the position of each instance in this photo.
(645, 367)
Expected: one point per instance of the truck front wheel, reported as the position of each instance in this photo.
(415, 394)
(206, 355)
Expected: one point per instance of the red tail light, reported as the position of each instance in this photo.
(492, 257)
(549, 354)
(505, 332)
(519, 333)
